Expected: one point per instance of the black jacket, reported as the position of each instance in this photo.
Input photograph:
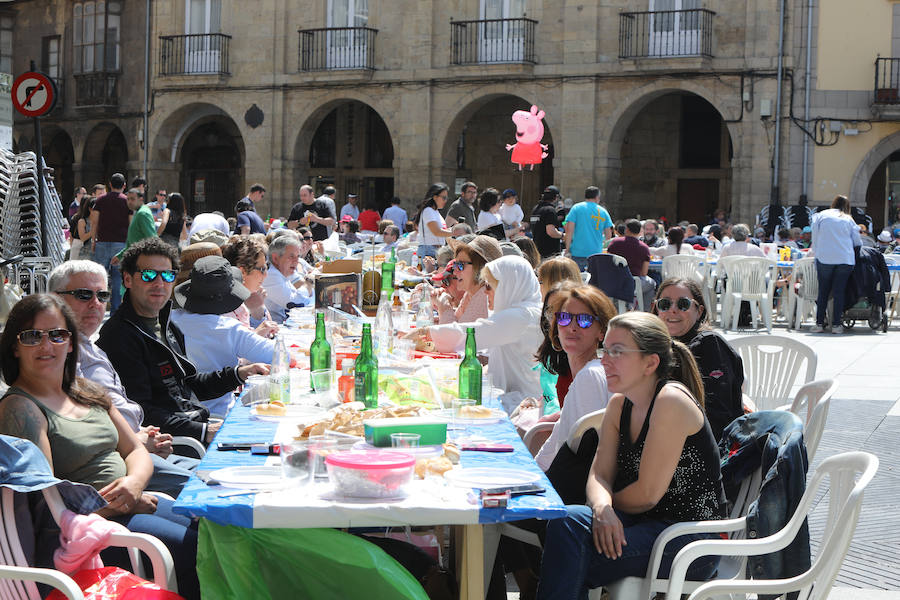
(722, 371)
(158, 375)
(870, 271)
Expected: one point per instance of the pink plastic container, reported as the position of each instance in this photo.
(370, 474)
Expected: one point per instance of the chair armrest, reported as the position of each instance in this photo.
(192, 443)
(55, 579)
(160, 558)
(531, 434)
(742, 587)
(678, 529)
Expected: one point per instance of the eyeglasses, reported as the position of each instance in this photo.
(33, 337)
(615, 351)
(85, 295)
(149, 275)
(683, 304)
(461, 265)
(307, 237)
(261, 269)
(583, 320)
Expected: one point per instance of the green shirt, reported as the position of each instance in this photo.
(142, 226)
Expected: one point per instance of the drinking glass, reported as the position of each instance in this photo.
(320, 446)
(295, 461)
(405, 440)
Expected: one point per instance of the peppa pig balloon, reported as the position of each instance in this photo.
(528, 149)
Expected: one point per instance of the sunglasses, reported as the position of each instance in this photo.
(33, 337)
(307, 237)
(460, 265)
(683, 304)
(615, 351)
(261, 269)
(583, 320)
(85, 295)
(149, 275)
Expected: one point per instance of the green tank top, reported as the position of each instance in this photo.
(83, 450)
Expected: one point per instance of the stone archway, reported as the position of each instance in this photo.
(863, 176)
(105, 152)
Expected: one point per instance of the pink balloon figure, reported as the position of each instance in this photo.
(528, 149)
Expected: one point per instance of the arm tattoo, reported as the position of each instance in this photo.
(21, 419)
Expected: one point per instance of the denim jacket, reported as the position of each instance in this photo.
(772, 439)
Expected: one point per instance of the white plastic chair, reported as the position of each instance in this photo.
(17, 579)
(892, 298)
(405, 254)
(848, 476)
(749, 279)
(811, 403)
(691, 266)
(189, 442)
(772, 367)
(803, 289)
(637, 588)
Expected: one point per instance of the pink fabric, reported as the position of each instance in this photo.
(81, 538)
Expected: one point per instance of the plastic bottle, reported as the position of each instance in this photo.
(414, 261)
(345, 381)
(280, 375)
(384, 325)
(425, 313)
(470, 370)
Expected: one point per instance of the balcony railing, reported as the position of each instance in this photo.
(337, 48)
(194, 54)
(665, 33)
(97, 89)
(492, 41)
(887, 80)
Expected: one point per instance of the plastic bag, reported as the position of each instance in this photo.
(264, 564)
(114, 583)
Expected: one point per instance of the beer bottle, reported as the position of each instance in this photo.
(366, 371)
(470, 370)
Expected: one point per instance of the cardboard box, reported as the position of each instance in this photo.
(343, 265)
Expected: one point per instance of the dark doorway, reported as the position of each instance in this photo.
(697, 199)
(59, 156)
(115, 155)
(211, 170)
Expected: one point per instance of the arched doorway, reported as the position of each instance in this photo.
(877, 181)
(675, 160)
(212, 167)
(105, 153)
(350, 148)
(59, 155)
(476, 144)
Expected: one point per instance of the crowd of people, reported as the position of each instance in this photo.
(194, 305)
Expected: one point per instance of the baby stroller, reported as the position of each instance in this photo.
(864, 296)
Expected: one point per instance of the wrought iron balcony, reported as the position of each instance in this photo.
(337, 48)
(97, 89)
(665, 33)
(492, 41)
(194, 54)
(887, 80)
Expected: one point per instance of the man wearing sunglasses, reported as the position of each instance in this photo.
(148, 351)
(82, 285)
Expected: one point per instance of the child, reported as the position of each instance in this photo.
(511, 213)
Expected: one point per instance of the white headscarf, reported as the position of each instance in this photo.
(517, 287)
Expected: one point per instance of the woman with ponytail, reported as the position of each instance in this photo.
(657, 463)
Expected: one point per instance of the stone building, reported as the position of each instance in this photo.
(668, 105)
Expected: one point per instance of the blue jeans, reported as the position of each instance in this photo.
(831, 278)
(571, 564)
(427, 250)
(103, 254)
(170, 474)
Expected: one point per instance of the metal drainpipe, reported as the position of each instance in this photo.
(809, 16)
(146, 90)
(775, 196)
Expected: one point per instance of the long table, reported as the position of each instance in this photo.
(314, 506)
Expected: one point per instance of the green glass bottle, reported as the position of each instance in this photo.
(470, 370)
(320, 350)
(387, 273)
(366, 368)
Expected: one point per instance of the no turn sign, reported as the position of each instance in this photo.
(33, 94)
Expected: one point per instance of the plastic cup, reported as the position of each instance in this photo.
(320, 446)
(405, 440)
(458, 420)
(295, 461)
(404, 348)
(320, 380)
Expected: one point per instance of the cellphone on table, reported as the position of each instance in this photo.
(234, 446)
(516, 490)
(266, 449)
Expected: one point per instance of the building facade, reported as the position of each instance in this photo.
(670, 106)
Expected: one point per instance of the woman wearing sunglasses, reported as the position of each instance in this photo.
(470, 259)
(249, 256)
(657, 463)
(577, 326)
(83, 435)
(679, 303)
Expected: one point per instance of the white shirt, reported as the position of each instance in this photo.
(205, 221)
(669, 250)
(587, 393)
(834, 234)
(487, 219)
(329, 202)
(511, 213)
(742, 249)
(430, 215)
(93, 364)
(280, 291)
(213, 342)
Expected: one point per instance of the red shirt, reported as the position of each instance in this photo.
(368, 220)
(112, 222)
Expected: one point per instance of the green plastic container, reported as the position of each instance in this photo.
(378, 431)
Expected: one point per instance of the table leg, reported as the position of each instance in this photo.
(470, 563)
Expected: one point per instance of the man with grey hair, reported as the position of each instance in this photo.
(284, 256)
(82, 285)
(312, 213)
(391, 236)
(740, 246)
(460, 229)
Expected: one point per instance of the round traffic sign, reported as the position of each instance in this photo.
(33, 94)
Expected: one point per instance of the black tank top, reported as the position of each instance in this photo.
(695, 492)
(173, 228)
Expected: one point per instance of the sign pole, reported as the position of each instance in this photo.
(39, 152)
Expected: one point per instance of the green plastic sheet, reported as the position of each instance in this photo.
(238, 563)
